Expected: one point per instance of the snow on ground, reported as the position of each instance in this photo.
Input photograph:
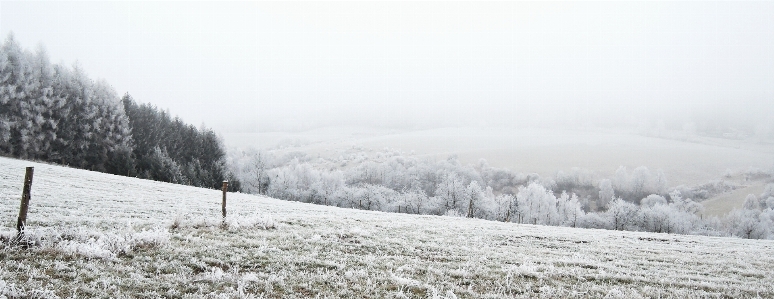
(99, 235)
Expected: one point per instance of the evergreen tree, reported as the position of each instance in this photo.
(58, 114)
(167, 149)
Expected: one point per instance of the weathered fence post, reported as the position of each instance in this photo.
(225, 189)
(21, 222)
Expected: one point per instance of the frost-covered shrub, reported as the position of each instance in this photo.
(569, 210)
(707, 190)
(606, 194)
(453, 213)
(537, 205)
(11, 291)
(768, 192)
(231, 222)
(751, 202)
(575, 178)
(622, 215)
(747, 224)
(594, 220)
(434, 294)
(663, 218)
(254, 221)
(757, 174)
(639, 184)
(653, 200)
(89, 243)
(7, 237)
(88, 249)
(770, 202)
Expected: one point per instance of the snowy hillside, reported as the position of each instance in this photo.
(99, 235)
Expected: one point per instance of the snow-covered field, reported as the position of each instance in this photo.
(98, 235)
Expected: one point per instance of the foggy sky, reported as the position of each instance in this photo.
(239, 66)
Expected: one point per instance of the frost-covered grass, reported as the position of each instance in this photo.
(98, 235)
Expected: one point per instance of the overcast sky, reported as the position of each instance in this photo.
(241, 65)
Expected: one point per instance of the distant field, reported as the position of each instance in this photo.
(536, 150)
(720, 205)
(108, 236)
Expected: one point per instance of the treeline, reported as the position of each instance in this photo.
(169, 150)
(53, 113)
(635, 200)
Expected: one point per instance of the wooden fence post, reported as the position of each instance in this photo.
(21, 222)
(225, 189)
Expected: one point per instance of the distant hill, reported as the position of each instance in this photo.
(686, 162)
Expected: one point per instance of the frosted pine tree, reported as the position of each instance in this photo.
(14, 88)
